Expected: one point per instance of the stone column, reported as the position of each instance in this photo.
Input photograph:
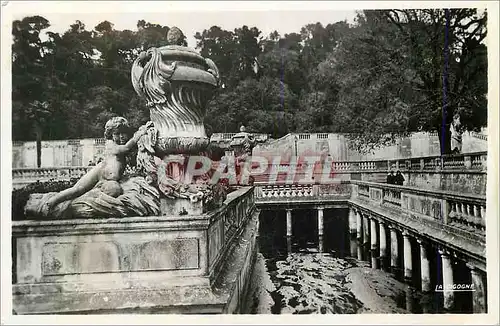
(373, 242)
(479, 294)
(407, 257)
(320, 221)
(359, 225)
(394, 249)
(352, 223)
(383, 244)
(289, 244)
(288, 222)
(359, 251)
(366, 231)
(353, 247)
(449, 296)
(425, 275)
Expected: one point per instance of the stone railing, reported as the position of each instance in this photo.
(474, 163)
(479, 135)
(128, 264)
(226, 137)
(470, 161)
(454, 220)
(465, 212)
(340, 190)
(21, 177)
(226, 223)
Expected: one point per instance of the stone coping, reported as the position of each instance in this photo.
(443, 194)
(126, 224)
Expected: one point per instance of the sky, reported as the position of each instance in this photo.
(190, 22)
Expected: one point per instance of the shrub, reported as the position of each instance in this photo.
(20, 196)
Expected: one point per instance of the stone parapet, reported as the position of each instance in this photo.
(162, 264)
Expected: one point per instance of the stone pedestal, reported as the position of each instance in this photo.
(151, 264)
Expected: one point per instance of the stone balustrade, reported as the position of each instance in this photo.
(226, 137)
(460, 213)
(466, 163)
(467, 215)
(24, 176)
(170, 264)
(470, 161)
(302, 191)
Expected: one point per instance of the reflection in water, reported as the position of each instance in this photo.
(308, 273)
(354, 248)
(359, 250)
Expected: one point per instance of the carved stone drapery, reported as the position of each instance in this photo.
(176, 83)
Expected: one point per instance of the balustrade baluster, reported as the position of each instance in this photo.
(482, 214)
(461, 215)
(477, 216)
(470, 214)
(453, 213)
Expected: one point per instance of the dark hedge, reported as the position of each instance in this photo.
(20, 196)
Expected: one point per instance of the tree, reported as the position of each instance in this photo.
(450, 59)
(31, 83)
(385, 79)
(234, 53)
(265, 105)
(220, 46)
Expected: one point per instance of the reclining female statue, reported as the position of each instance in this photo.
(103, 190)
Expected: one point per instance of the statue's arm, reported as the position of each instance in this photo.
(121, 149)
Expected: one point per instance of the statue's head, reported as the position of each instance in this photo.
(116, 125)
(175, 36)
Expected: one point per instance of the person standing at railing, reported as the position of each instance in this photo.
(399, 179)
(390, 178)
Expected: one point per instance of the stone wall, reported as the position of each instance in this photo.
(58, 153)
(78, 152)
(418, 145)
